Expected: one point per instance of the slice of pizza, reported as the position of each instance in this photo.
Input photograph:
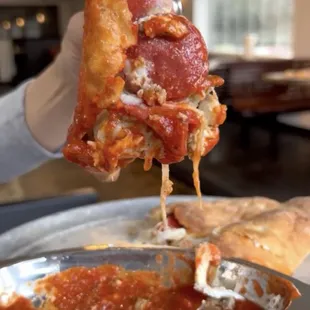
(200, 221)
(144, 89)
(278, 239)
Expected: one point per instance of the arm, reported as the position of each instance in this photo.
(35, 117)
(19, 151)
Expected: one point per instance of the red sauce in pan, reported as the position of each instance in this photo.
(112, 287)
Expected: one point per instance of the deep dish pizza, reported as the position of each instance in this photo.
(200, 221)
(255, 229)
(144, 90)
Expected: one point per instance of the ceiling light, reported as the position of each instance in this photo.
(20, 22)
(41, 18)
(6, 25)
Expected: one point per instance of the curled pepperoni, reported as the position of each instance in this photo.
(142, 8)
(180, 66)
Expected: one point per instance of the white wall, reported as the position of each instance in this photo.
(301, 29)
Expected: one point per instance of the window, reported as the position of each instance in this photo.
(226, 23)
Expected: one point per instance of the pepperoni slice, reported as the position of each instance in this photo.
(180, 66)
(142, 8)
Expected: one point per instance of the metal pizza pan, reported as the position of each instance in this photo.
(108, 222)
(19, 276)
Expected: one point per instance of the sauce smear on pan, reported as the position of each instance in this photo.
(112, 287)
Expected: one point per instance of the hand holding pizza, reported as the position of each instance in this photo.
(52, 97)
(144, 88)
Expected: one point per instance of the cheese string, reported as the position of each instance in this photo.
(196, 162)
(166, 189)
(196, 179)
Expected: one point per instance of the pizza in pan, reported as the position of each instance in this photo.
(200, 221)
(279, 239)
(302, 203)
(256, 229)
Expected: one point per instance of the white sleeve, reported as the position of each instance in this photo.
(19, 151)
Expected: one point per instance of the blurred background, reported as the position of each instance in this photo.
(262, 50)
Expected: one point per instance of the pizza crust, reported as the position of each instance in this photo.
(108, 32)
(201, 222)
(279, 239)
(257, 229)
(302, 202)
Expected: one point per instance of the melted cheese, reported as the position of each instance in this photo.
(166, 189)
(208, 106)
(131, 99)
(137, 78)
(170, 234)
(201, 276)
(120, 127)
(205, 106)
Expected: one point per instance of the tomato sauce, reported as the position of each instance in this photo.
(166, 124)
(112, 287)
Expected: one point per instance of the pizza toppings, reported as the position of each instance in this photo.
(138, 81)
(169, 25)
(183, 61)
(169, 231)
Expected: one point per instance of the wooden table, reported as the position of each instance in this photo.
(283, 78)
(300, 120)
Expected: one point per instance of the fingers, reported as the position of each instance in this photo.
(69, 58)
(74, 34)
